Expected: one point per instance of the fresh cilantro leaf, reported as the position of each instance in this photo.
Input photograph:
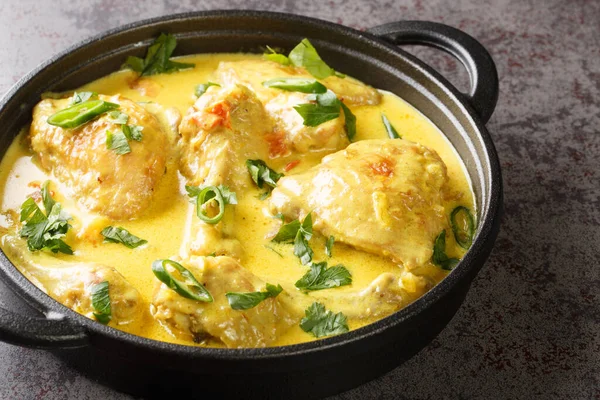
(101, 302)
(279, 216)
(389, 128)
(300, 233)
(80, 97)
(350, 121)
(320, 322)
(320, 277)
(327, 99)
(327, 107)
(229, 196)
(30, 212)
(316, 114)
(132, 132)
(329, 245)
(121, 235)
(287, 232)
(45, 231)
(118, 117)
(301, 248)
(261, 174)
(118, 142)
(273, 55)
(305, 55)
(293, 84)
(439, 257)
(47, 199)
(157, 58)
(203, 87)
(245, 301)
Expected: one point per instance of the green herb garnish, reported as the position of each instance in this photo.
(80, 113)
(45, 230)
(326, 108)
(132, 132)
(463, 226)
(118, 142)
(101, 302)
(305, 55)
(262, 175)
(320, 322)
(121, 235)
(320, 277)
(118, 117)
(301, 233)
(205, 196)
(157, 60)
(302, 85)
(389, 128)
(439, 257)
(273, 55)
(329, 245)
(349, 121)
(187, 287)
(203, 87)
(80, 97)
(245, 301)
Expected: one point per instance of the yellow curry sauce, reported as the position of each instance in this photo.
(165, 223)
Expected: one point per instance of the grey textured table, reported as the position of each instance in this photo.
(530, 325)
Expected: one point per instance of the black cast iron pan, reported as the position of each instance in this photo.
(150, 368)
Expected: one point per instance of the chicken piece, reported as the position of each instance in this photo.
(253, 73)
(117, 186)
(387, 294)
(223, 129)
(71, 283)
(198, 321)
(381, 196)
(325, 138)
(291, 135)
(202, 239)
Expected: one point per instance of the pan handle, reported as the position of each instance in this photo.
(476, 59)
(39, 332)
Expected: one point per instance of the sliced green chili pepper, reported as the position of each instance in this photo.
(80, 113)
(440, 258)
(463, 226)
(189, 288)
(389, 128)
(302, 85)
(206, 195)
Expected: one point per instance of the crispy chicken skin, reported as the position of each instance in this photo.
(70, 283)
(198, 321)
(117, 186)
(381, 196)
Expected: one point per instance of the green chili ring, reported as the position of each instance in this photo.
(190, 288)
(207, 194)
(462, 234)
(79, 114)
(439, 257)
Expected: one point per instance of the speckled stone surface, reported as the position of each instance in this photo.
(530, 326)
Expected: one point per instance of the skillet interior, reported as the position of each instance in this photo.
(317, 368)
